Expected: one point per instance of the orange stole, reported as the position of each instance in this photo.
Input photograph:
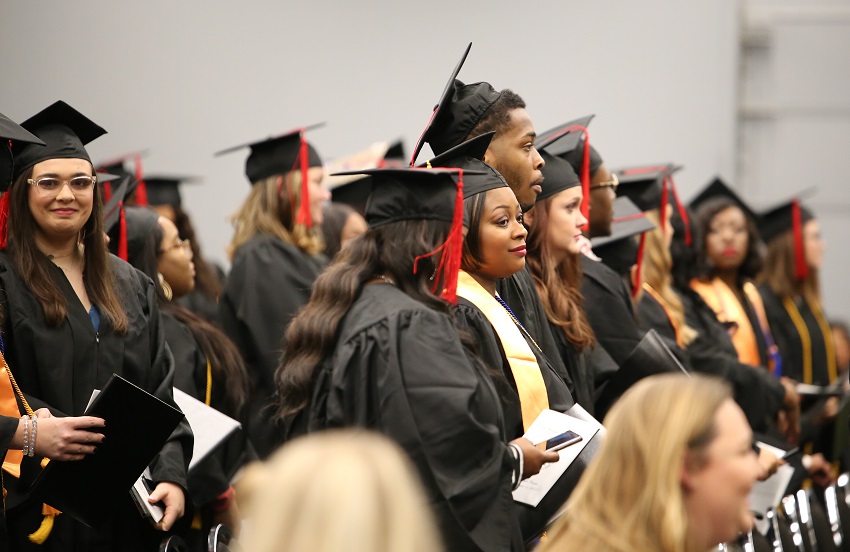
(728, 308)
(533, 397)
(9, 407)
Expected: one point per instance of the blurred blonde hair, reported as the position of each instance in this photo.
(340, 490)
(656, 271)
(631, 498)
(263, 212)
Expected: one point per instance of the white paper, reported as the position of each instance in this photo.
(768, 493)
(547, 425)
(156, 512)
(209, 425)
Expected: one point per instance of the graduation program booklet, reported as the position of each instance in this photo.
(547, 425)
(209, 426)
(768, 494)
(137, 426)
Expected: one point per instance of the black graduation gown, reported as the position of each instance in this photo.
(519, 293)
(398, 367)
(609, 309)
(759, 394)
(212, 476)
(59, 367)
(788, 339)
(269, 281)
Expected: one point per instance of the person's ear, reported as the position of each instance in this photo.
(690, 467)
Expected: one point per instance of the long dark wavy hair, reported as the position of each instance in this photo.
(558, 284)
(387, 250)
(206, 280)
(226, 362)
(36, 270)
(754, 259)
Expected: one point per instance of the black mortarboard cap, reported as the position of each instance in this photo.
(353, 190)
(628, 221)
(619, 251)
(460, 108)
(645, 186)
(565, 138)
(11, 132)
(165, 190)
(141, 222)
(779, 218)
(718, 189)
(558, 175)
(276, 154)
(64, 130)
(112, 207)
(469, 156)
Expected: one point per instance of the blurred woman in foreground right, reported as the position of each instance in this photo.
(679, 458)
(340, 490)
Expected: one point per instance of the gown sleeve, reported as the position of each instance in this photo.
(409, 377)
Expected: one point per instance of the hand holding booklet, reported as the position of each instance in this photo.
(551, 425)
(137, 426)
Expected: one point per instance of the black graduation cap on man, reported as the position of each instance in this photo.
(571, 141)
(11, 132)
(619, 251)
(715, 190)
(64, 131)
(423, 194)
(460, 107)
(279, 155)
(790, 215)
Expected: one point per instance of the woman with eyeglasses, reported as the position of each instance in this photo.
(72, 316)
(207, 364)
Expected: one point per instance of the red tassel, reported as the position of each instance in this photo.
(683, 212)
(304, 216)
(636, 285)
(802, 268)
(4, 220)
(141, 188)
(122, 234)
(452, 249)
(107, 191)
(663, 207)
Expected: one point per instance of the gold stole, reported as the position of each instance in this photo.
(660, 300)
(533, 397)
(9, 407)
(728, 308)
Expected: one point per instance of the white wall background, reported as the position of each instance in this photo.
(187, 78)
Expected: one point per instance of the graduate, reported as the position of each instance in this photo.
(72, 316)
(164, 198)
(277, 253)
(376, 347)
(466, 111)
(554, 249)
(607, 303)
(208, 366)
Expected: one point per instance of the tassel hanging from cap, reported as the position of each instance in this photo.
(107, 191)
(800, 265)
(445, 275)
(141, 187)
(122, 233)
(636, 285)
(4, 220)
(682, 210)
(304, 216)
(39, 536)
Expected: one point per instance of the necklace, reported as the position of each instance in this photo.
(386, 279)
(517, 322)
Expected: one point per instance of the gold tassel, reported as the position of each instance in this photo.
(46, 526)
(197, 522)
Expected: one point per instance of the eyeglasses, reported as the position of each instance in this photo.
(613, 183)
(51, 184)
(185, 244)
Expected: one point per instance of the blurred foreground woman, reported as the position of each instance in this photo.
(679, 460)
